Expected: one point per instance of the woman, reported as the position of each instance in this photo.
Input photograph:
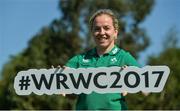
(104, 29)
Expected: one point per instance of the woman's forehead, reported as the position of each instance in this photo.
(103, 18)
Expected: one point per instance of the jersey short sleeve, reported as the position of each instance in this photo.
(130, 60)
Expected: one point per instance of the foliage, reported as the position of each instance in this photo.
(169, 98)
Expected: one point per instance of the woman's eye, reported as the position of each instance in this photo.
(106, 27)
(96, 28)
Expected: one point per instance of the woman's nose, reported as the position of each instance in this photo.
(102, 31)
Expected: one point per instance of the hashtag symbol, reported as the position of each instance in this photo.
(24, 82)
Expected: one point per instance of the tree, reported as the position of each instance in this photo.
(62, 39)
(39, 54)
(171, 39)
(130, 13)
(169, 98)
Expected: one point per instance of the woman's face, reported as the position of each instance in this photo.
(103, 31)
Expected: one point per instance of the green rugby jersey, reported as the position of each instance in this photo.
(108, 101)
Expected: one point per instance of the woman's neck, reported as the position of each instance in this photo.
(104, 50)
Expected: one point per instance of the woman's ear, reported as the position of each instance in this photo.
(116, 34)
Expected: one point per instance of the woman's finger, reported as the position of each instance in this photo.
(63, 94)
(58, 66)
(124, 93)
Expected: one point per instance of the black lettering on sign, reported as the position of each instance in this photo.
(61, 81)
(118, 76)
(80, 79)
(126, 79)
(159, 77)
(96, 80)
(146, 79)
(42, 80)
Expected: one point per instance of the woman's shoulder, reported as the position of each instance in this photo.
(123, 52)
(84, 54)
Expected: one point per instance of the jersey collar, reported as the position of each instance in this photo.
(113, 51)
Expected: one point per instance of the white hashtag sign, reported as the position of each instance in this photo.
(85, 80)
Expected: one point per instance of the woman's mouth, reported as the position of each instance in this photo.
(102, 38)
